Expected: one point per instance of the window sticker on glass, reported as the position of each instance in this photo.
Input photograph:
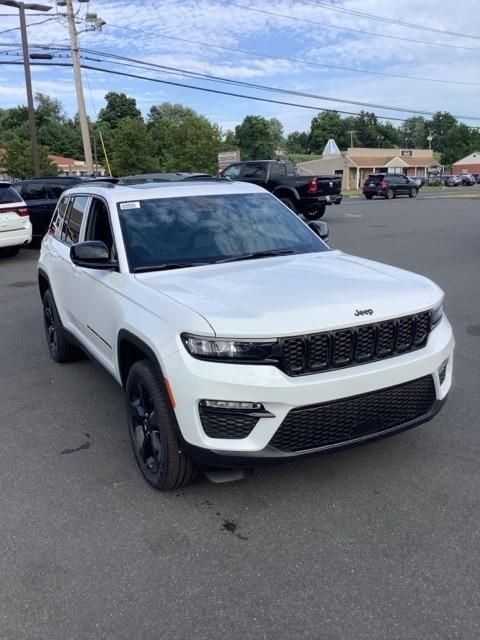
(129, 205)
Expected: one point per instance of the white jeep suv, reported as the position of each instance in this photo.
(238, 335)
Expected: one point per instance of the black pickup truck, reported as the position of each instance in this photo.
(307, 195)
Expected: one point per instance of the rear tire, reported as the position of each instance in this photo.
(390, 194)
(59, 347)
(153, 428)
(413, 192)
(314, 215)
(368, 196)
(9, 252)
(290, 204)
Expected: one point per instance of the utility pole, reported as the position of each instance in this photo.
(430, 138)
(351, 132)
(77, 72)
(21, 6)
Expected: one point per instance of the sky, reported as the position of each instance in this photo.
(302, 51)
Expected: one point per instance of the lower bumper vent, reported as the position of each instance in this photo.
(340, 421)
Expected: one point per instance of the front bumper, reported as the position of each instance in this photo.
(193, 380)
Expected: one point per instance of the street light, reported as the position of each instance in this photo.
(21, 6)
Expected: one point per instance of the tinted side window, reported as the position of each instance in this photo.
(35, 191)
(254, 171)
(58, 218)
(56, 190)
(98, 224)
(73, 220)
(277, 170)
(232, 172)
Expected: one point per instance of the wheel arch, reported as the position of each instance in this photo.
(286, 192)
(43, 282)
(131, 349)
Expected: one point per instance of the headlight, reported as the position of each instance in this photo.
(436, 315)
(231, 350)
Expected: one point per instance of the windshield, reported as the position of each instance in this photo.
(206, 229)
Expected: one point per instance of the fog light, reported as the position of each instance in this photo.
(442, 371)
(230, 404)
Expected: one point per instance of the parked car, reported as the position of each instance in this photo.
(42, 194)
(389, 185)
(308, 195)
(467, 179)
(452, 181)
(418, 181)
(238, 336)
(141, 178)
(15, 226)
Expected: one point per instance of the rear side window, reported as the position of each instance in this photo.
(58, 218)
(8, 195)
(34, 191)
(56, 190)
(277, 170)
(73, 220)
(254, 171)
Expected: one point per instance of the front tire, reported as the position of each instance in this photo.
(59, 347)
(390, 194)
(369, 196)
(152, 428)
(413, 192)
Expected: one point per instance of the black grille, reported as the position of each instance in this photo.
(331, 423)
(356, 345)
(224, 424)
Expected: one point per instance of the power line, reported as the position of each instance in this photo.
(299, 60)
(370, 16)
(193, 74)
(204, 89)
(208, 90)
(351, 29)
(150, 66)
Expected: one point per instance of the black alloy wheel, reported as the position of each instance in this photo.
(153, 429)
(144, 426)
(50, 330)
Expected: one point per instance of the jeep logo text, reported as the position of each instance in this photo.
(364, 312)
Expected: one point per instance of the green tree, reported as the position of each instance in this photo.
(230, 141)
(459, 142)
(326, 125)
(13, 124)
(414, 130)
(297, 142)
(19, 163)
(255, 138)
(276, 132)
(440, 125)
(119, 106)
(133, 148)
(184, 140)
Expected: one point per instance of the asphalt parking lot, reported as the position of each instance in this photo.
(376, 542)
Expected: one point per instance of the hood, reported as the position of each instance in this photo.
(289, 295)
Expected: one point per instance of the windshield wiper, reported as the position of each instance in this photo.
(257, 254)
(167, 265)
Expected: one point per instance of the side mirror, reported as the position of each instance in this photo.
(92, 254)
(320, 228)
